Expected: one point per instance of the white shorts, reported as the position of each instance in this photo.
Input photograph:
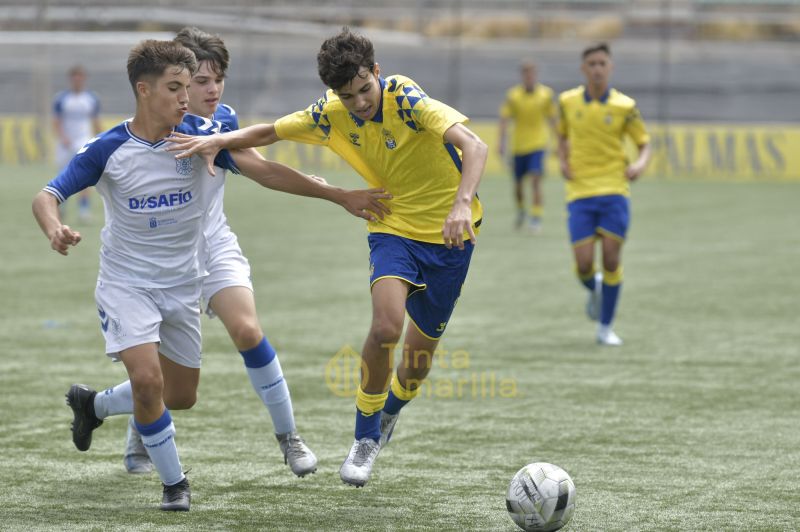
(131, 316)
(227, 266)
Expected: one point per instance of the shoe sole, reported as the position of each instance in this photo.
(302, 474)
(356, 484)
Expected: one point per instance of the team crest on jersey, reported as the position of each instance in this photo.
(354, 138)
(184, 166)
(608, 119)
(388, 139)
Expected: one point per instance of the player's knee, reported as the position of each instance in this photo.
(584, 268)
(181, 401)
(147, 387)
(610, 264)
(385, 331)
(246, 334)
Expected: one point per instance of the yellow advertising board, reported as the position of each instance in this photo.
(680, 151)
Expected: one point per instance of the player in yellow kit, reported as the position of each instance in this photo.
(530, 108)
(595, 119)
(419, 151)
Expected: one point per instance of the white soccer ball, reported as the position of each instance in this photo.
(541, 497)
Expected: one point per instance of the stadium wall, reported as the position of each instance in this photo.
(681, 150)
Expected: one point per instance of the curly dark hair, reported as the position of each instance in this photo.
(342, 56)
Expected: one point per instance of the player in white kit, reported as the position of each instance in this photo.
(228, 290)
(76, 119)
(150, 277)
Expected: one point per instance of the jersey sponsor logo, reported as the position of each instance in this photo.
(354, 138)
(162, 200)
(389, 139)
(184, 166)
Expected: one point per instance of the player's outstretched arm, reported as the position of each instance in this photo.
(209, 146)
(473, 160)
(365, 204)
(45, 210)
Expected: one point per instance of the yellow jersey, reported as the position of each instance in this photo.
(401, 149)
(530, 112)
(595, 130)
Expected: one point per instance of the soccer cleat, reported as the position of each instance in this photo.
(136, 459)
(388, 421)
(535, 225)
(358, 465)
(297, 454)
(177, 497)
(605, 336)
(520, 218)
(81, 399)
(595, 301)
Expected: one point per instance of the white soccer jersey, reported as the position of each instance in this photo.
(153, 203)
(76, 110)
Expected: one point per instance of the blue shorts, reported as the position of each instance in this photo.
(529, 163)
(588, 217)
(435, 273)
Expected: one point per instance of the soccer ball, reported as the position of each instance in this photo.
(541, 497)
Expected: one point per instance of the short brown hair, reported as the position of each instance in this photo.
(341, 57)
(151, 58)
(206, 47)
(599, 47)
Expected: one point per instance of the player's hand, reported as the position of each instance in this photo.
(367, 203)
(633, 171)
(566, 171)
(64, 237)
(458, 222)
(207, 147)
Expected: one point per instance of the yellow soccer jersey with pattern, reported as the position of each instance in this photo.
(596, 130)
(402, 150)
(530, 112)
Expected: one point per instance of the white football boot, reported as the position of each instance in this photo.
(388, 421)
(297, 454)
(605, 336)
(358, 465)
(136, 459)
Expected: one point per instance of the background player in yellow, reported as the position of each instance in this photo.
(530, 108)
(418, 149)
(594, 121)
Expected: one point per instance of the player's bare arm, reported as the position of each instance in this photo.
(473, 152)
(563, 157)
(209, 146)
(365, 204)
(635, 169)
(45, 210)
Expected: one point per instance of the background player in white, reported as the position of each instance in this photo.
(149, 282)
(228, 290)
(76, 119)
